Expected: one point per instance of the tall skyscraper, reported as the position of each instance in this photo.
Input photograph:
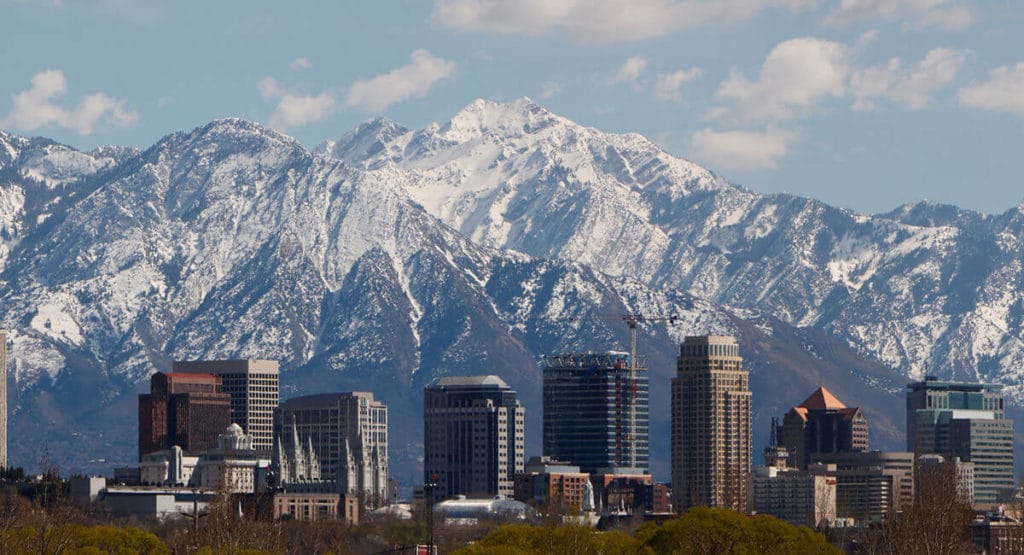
(595, 411)
(473, 436)
(711, 436)
(254, 390)
(184, 410)
(3, 399)
(964, 420)
(348, 435)
(822, 424)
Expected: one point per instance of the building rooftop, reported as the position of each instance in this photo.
(710, 339)
(321, 400)
(933, 383)
(464, 381)
(822, 399)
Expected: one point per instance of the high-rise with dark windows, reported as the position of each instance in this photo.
(711, 436)
(474, 436)
(596, 412)
(964, 420)
(185, 410)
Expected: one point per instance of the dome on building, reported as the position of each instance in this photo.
(234, 439)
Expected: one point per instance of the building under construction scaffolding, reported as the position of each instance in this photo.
(596, 410)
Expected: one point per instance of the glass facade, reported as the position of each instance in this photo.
(596, 411)
(964, 420)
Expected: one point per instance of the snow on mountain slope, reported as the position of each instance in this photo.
(234, 241)
(921, 287)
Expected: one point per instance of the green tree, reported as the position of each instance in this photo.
(713, 531)
(516, 539)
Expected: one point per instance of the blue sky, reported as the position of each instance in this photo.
(865, 104)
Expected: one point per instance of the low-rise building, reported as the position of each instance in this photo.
(620, 492)
(169, 467)
(998, 533)
(552, 485)
(158, 503)
(871, 484)
(312, 507)
(800, 497)
(234, 466)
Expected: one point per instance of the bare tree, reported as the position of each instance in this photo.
(938, 521)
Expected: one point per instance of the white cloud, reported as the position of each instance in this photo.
(911, 87)
(668, 87)
(598, 20)
(796, 75)
(413, 80)
(549, 89)
(300, 63)
(946, 14)
(35, 108)
(742, 150)
(295, 110)
(628, 72)
(1003, 92)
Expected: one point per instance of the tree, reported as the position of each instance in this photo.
(529, 540)
(712, 531)
(937, 522)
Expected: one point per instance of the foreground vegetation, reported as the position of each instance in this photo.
(49, 524)
(698, 531)
(41, 519)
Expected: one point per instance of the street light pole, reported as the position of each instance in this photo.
(428, 491)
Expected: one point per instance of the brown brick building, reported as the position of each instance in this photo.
(187, 410)
(551, 485)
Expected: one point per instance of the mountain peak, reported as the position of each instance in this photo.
(366, 140)
(482, 117)
(242, 129)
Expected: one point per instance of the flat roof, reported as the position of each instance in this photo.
(469, 381)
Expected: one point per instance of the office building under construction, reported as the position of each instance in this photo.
(596, 411)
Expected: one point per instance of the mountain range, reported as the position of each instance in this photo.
(390, 257)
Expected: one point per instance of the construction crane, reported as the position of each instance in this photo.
(633, 320)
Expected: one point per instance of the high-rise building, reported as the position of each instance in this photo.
(964, 420)
(3, 399)
(473, 436)
(184, 410)
(595, 411)
(346, 434)
(822, 424)
(254, 390)
(711, 435)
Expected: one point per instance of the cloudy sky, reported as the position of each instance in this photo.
(866, 104)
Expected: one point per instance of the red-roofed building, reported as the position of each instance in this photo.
(822, 424)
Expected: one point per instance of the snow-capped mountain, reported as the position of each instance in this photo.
(923, 288)
(390, 257)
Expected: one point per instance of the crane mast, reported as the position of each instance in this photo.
(633, 320)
